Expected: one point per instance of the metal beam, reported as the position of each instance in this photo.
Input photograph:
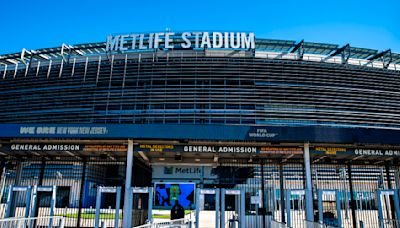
(299, 47)
(382, 55)
(342, 51)
(25, 52)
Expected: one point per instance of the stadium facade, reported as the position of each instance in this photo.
(238, 128)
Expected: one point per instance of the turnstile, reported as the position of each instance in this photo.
(110, 190)
(10, 208)
(295, 207)
(146, 191)
(329, 197)
(388, 207)
(236, 219)
(31, 200)
(139, 190)
(36, 203)
(200, 193)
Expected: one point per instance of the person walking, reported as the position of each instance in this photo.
(177, 211)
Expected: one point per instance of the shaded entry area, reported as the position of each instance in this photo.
(76, 179)
(256, 189)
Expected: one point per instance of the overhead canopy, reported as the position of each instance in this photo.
(271, 45)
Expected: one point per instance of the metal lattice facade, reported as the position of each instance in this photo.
(125, 88)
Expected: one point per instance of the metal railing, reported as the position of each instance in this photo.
(309, 224)
(37, 222)
(276, 224)
(390, 223)
(178, 223)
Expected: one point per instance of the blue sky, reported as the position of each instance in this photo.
(42, 24)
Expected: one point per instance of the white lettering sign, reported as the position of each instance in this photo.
(207, 191)
(185, 40)
(376, 152)
(232, 192)
(220, 149)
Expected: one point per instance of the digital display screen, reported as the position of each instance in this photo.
(167, 193)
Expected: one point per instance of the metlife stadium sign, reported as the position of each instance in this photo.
(185, 40)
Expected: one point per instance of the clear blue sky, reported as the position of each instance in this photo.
(41, 24)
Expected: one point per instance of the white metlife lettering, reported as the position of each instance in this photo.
(168, 40)
(112, 43)
(122, 42)
(218, 40)
(157, 39)
(189, 40)
(186, 40)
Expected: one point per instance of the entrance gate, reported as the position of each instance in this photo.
(110, 190)
(295, 207)
(237, 218)
(11, 207)
(388, 208)
(200, 204)
(329, 200)
(138, 209)
(36, 202)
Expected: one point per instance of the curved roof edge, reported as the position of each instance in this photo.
(264, 48)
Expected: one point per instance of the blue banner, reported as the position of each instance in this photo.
(311, 134)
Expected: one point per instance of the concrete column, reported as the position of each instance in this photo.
(127, 211)
(308, 190)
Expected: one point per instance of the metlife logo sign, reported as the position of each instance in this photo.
(183, 172)
(168, 170)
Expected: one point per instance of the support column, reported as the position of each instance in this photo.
(3, 172)
(308, 190)
(82, 189)
(282, 187)
(2, 167)
(127, 211)
(18, 178)
(352, 196)
(264, 199)
(40, 183)
(18, 175)
(390, 186)
(397, 177)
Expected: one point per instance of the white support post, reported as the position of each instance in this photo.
(308, 190)
(127, 211)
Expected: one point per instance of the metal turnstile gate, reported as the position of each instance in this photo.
(295, 207)
(36, 202)
(388, 208)
(237, 219)
(139, 212)
(107, 190)
(11, 205)
(31, 201)
(200, 205)
(330, 200)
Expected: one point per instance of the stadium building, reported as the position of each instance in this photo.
(241, 130)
